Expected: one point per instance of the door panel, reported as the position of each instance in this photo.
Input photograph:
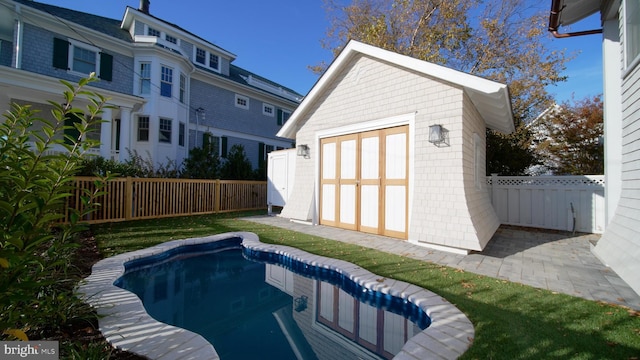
(348, 180)
(364, 181)
(328, 183)
(370, 182)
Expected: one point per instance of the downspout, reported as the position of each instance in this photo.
(554, 23)
(18, 38)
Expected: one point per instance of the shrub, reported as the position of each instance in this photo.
(35, 248)
(202, 163)
(237, 166)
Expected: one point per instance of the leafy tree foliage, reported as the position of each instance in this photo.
(237, 166)
(571, 142)
(498, 40)
(202, 163)
(35, 248)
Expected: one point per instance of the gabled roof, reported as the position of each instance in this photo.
(109, 27)
(490, 98)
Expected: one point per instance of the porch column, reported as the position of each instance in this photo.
(126, 127)
(105, 133)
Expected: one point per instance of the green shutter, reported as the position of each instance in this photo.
(106, 67)
(280, 116)
(60, 54)
(224, 147)
(206, 140)
(261, 151)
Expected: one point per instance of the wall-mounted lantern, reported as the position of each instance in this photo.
(438, 135)
(303, 150)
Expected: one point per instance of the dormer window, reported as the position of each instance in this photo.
(214, 62)
(153, 32)
(208, 59)
(170, 39)
(201, 56)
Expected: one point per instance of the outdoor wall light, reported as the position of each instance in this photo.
(303, 150)
(438, 135)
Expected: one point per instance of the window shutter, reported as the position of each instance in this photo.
(280, 116)
(60, 54)
(106, 67)
(224, 147)
(206, 140)
(261, 151)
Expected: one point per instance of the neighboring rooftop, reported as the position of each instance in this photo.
(112, 28)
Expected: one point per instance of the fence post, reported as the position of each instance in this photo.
(494, 182)
(218, 195)
(128, 199)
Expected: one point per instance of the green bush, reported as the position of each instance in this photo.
(35, 248)
(237, 166)
(202, 163)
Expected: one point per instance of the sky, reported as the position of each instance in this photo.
(280, 39)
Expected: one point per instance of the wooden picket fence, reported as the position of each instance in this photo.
(148, 198)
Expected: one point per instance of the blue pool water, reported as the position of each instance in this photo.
(259, 305)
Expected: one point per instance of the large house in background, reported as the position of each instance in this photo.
(619, 246)
(171, 90)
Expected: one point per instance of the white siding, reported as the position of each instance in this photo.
(619, 247)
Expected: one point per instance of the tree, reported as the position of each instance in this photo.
(202, 163)
(237, 166)
(572, 137)
(499, 40)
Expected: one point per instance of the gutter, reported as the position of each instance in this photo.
(554, 23)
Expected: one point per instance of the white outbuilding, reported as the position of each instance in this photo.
(392, 145)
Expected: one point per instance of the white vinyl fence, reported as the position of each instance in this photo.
(571, 203)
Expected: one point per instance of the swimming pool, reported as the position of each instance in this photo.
(128, 326)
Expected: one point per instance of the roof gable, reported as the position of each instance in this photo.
(489, 97)
(107, 26)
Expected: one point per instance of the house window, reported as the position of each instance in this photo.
(143, 128)
(181, 133)
(216, 144)
(200, 56)
(165, 131)
(145, 78)
(214, 62)
(268, 110)
(242, 102)
(153, 32)
(632, 31)
(85, 61)
(166, 81)
(81, 58)
(183, 87)
(283, 116)
(170, 39)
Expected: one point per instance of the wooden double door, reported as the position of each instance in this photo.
(364, 181)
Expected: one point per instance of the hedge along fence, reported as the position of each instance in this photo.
(147, 198)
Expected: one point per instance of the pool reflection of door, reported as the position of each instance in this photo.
(364, 181)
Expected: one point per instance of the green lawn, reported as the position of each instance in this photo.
(512, 321)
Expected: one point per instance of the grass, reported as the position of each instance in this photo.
(512, 321)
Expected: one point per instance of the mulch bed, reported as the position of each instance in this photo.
(83, 332)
